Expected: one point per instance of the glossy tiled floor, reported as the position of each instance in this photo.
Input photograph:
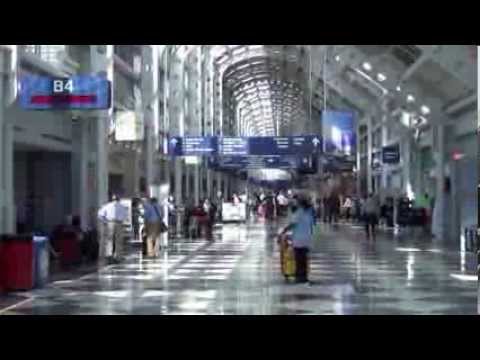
(239, 274)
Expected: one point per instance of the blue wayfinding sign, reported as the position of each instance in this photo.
(77, 92)
(288, 145)
(245, 146)
(233, 146)
(192, 145)
(260, 162)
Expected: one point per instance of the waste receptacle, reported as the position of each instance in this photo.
(16, 262)
(41, 261)
(2, 286)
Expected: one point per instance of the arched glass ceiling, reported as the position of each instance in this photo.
(262, 87)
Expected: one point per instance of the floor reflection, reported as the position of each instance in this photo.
(239, 273)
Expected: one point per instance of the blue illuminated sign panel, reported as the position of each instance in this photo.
(289, 145)
(233, 146)
(339, 132)
(192, 146)
(75, 93)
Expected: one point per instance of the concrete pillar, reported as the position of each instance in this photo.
(151, 111)
(219, 183)
(369, 154)
(384, 130)
(101, 59)
(188, 174)
(8, 92)
(407, 181)
(132, 176)
(79, 164)
(8, 169)
(438, 227)
(358, 167)
(209, 183)
(2, 121)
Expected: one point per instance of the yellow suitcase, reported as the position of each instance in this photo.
(287, 259)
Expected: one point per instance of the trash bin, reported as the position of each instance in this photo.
(16, 262)
(41, 261)
(2, 286)
(70, 252)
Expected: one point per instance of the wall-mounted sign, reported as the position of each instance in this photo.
(339, 132)
(391, 154)
(129, 126)
(78, 92)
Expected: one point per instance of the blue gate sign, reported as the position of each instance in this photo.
(391, 154)
(233, 146)
(75, 93)
(192, 145)
(339, 132)
(288, 145)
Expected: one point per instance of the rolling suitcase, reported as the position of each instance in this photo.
(287, 258)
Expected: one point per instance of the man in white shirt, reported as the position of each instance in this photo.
(111, 217)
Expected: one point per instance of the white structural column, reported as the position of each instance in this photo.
(369, 153)
(384, 141)
(2, 142)
(438, 227)
(195, 110)
(166, 116)
(176, 122)
(151, 111)
(359, 162)
(406, 168)
(209, 110)
(79, 164)
(101, 57)
(132, 176)
(8, 93)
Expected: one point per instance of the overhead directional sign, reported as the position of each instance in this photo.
(192, 145)
(233, 146)
(77, 92)
(259, 162)
(244, 146)
(288, 145)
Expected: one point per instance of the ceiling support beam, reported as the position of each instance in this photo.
(415, 66)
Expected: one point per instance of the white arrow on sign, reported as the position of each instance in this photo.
(174, 141)
(316, 141)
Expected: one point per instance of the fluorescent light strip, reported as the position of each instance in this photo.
(367, 77)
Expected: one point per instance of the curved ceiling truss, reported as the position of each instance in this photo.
(262, 87)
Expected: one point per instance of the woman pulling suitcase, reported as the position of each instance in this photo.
(301, 225)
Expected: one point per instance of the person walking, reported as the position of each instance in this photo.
(371, 210)
(153, 219)
(301, 225)
(348, 205)
(333, 208)
(111, 217)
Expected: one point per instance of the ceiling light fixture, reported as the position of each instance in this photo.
(410, 98)
(337, 58)
(425, 110)
(381, 77)
(367, 66)
(398, 88)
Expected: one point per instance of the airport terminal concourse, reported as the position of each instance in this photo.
(239, 180)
